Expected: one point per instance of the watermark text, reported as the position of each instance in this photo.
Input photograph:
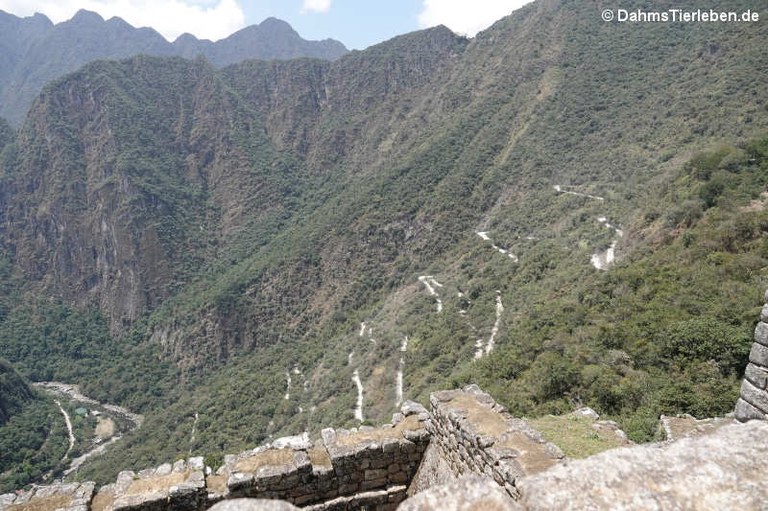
(680, 16)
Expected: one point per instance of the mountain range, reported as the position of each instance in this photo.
(34, 51)
(564, 210)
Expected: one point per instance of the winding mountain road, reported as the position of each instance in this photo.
(73, 392)
(70, 431)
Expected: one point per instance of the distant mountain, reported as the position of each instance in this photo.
(270, 40)
(34, 51)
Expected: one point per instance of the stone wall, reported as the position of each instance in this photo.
(472, 434)
(348, 469)
(467, 434)
(753, 401)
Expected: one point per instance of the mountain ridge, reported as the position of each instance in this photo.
(37, 51)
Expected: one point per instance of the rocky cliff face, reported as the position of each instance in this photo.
(119, 190)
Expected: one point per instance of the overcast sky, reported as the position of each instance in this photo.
(356, 23)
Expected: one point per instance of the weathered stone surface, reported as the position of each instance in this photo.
(253, 505)
(328, 435)
(587, 412)
(470, 493)
(719, 471)
(412, 408)
(684, 425)
(754, 396)
(757, 375)
(164, 469)
(745, 412)
(761, 330)
(759, 354)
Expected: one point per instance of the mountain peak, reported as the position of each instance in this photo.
(85, 16)
(275, 23)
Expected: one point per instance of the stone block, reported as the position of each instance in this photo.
(375, 474)
(759, 354)
(348, 488)
(754, 396)
(296, 442)
(390, 445)
(373, 484)
(399, 478)
(304, 499)
(412, 408)
(468, 493)
(147, 473)
(721, 470)
(329, 436)
(239, 481)
(761, 331)
(757, 376)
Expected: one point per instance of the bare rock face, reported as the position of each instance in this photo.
(470, 493)
(723, 470)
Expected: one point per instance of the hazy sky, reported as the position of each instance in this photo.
(356, 23)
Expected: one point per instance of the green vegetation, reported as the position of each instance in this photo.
(193, 235)
(14, 392)
(669, 328)
(576, 436)
(32, 434)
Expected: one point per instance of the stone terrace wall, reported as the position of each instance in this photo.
(472, 434)
(363, 468)
(753, 402)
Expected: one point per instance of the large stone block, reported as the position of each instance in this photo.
(468, 493)
(745, 411)
(759, 354)
(754, 396)
(761, 333)
(723, 470)
(764, 313)
(758, 376)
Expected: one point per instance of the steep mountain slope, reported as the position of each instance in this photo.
(14, 392)
(309, 242)
(35, 51)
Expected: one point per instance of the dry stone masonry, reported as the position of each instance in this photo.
(753, 401)
(472, 434)
(364, 468)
